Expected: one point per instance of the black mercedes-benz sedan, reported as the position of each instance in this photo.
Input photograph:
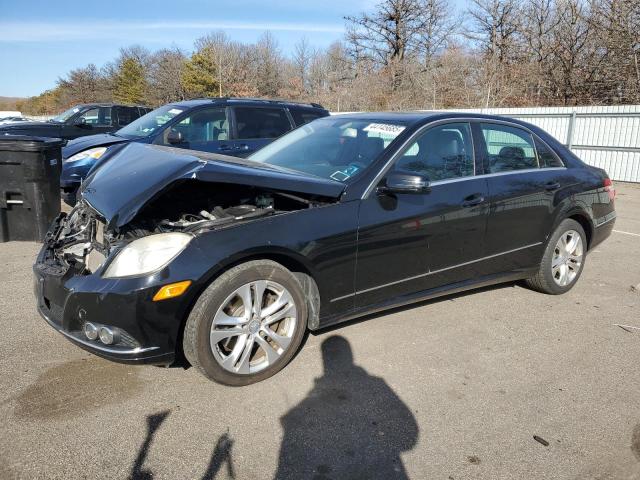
(177, 256)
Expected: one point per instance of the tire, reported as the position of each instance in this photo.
(549, 279)
(228, 358)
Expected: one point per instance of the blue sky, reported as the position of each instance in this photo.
(41, 40)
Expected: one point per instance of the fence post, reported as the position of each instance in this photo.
(572, 124)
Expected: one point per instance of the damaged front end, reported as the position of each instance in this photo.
(76, 241)
(104, 264)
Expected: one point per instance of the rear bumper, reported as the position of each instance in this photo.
(603, 228)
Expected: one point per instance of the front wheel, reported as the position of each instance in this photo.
(247, 325)
(563, 260)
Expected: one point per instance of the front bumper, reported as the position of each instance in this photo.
(67, 298)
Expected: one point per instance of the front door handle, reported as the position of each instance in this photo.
(224, 148)
(552, 186)
(472, 200)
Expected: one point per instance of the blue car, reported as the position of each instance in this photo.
(228, 126)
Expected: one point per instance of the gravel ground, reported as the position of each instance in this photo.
(454, 388)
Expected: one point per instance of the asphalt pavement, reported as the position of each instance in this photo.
(454, 388)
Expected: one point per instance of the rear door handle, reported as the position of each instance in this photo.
(472, 200)
(552, 186)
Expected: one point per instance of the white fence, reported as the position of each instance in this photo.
(606, 137)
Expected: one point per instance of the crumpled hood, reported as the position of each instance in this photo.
(129, 180)
(84, 143)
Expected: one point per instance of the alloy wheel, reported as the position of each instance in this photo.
(253, 327)
(567, 258)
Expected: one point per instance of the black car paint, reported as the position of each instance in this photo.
(68, 130)
(360, 250)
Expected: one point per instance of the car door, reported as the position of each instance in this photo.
(204, 129)
(411, 242)
(521, 193)
(256, 127)
(89, 122)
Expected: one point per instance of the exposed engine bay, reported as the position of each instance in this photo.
(83, 241)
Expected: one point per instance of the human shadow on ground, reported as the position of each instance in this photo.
(350, 425)
(221, 455)
(153, 424)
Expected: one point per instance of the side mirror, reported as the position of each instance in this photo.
(396, 182)
(174, 137)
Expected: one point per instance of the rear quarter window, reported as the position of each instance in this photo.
(300, 117)
(261, 122)
(547, 157)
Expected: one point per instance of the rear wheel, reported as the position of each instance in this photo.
(563, 260)
(247, 325)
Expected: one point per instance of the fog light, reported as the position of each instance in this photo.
(107, 336)
(90, 331)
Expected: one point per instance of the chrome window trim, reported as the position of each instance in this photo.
(435, 123)
(524, 170)
(415, 277)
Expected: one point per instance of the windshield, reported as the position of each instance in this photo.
(66, 115)
(151, 122)
(332, 147)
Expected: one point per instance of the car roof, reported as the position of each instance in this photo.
(421, 117)
(107, 104)
(245, 102)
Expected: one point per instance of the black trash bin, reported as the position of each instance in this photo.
(29, 186)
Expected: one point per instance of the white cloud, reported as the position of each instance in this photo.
(100, 30)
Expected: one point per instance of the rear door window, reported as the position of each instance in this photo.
(254, 123)
(508, 148)
(97, 116)
(300, 117)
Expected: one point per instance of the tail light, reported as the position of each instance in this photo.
(609, 188)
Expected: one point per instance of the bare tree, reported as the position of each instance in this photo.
(165, 76)
(267, 63)
(387, 34)
(83, 85)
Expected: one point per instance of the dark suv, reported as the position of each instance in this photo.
(229, 126)
(80, 121)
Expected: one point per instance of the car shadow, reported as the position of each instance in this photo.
(350, 425)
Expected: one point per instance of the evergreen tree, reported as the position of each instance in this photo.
(200, 74)
(130, 83)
